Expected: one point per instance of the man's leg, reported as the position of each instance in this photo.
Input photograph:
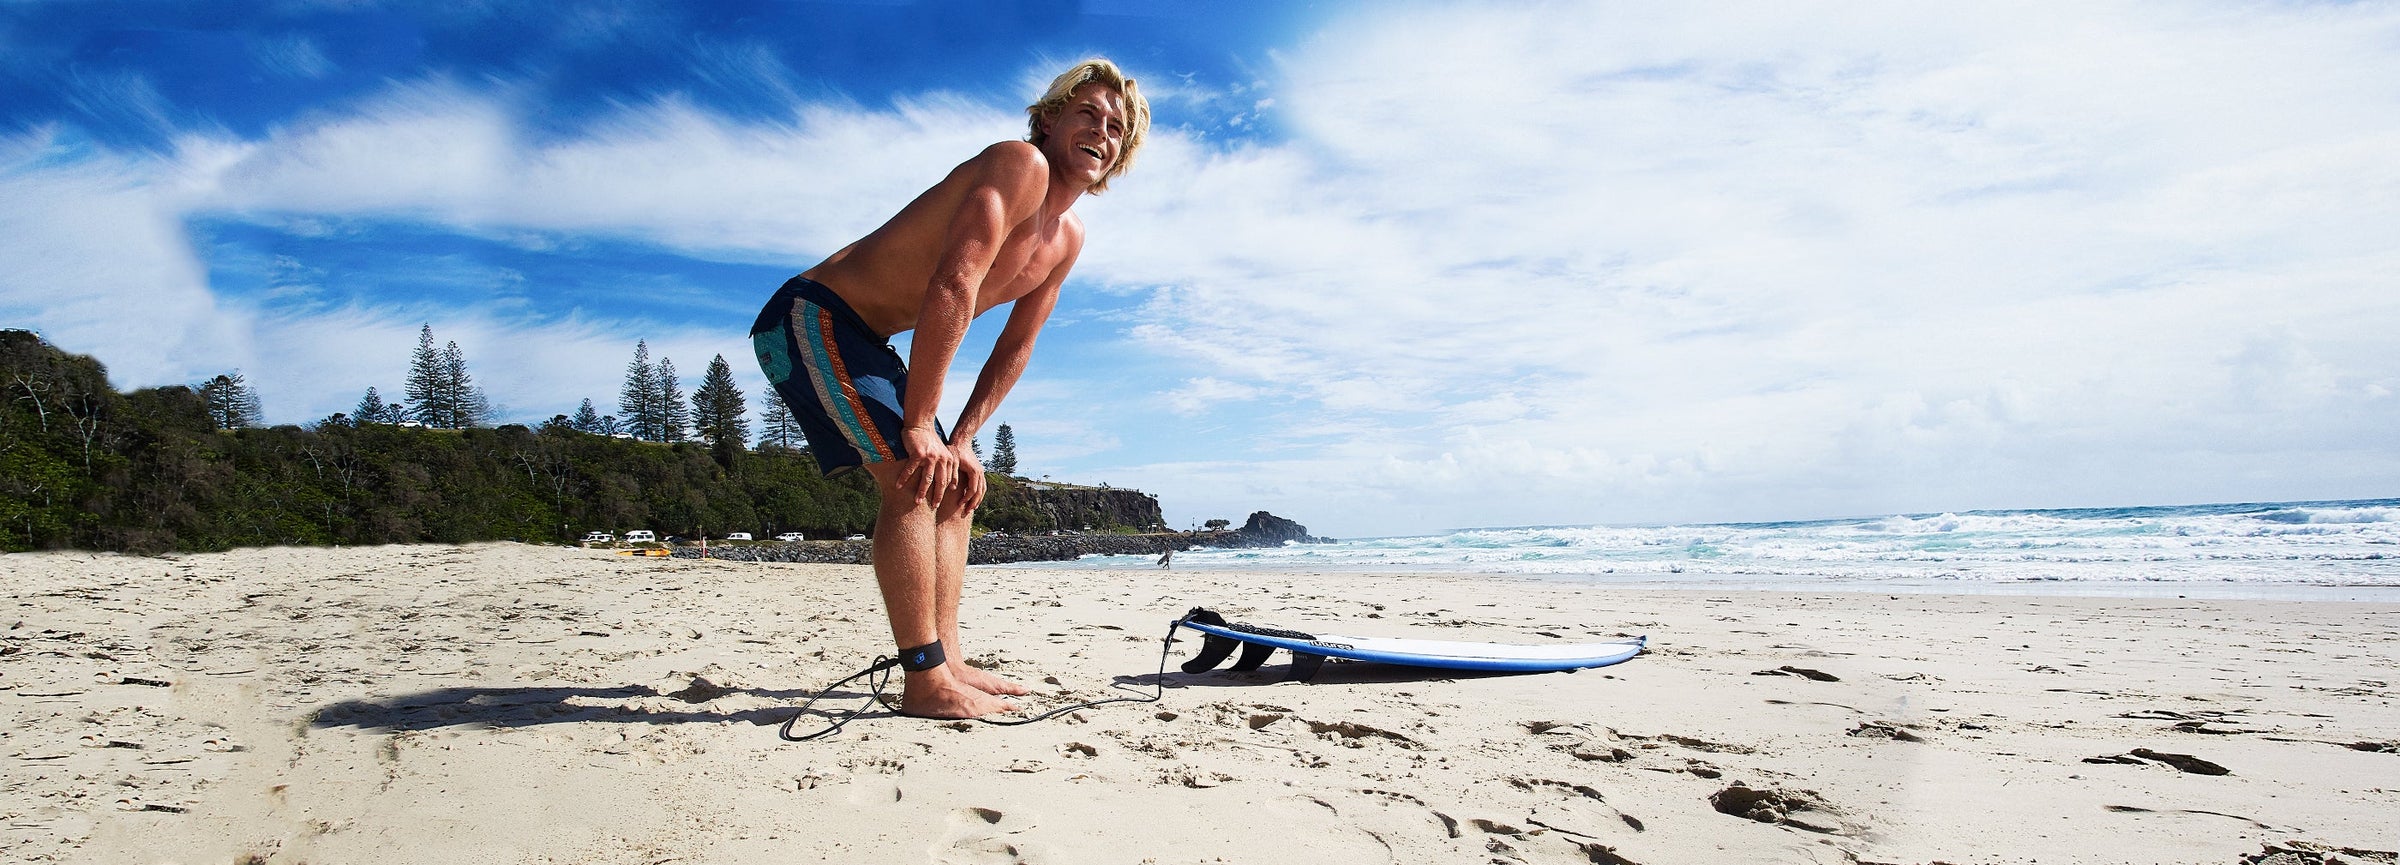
(953, 528)
(922, 609)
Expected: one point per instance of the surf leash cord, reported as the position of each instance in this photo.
(879, 674)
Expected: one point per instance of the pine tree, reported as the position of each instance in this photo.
(718, 408)
(673, 415)
(245, 402)
(638, 400)
(230, 402)
(976, 444)
(587, 419)
(478, 410)
(428, 399)
(467, 405)
(776, 426)
(370, 409)
(1004, 451)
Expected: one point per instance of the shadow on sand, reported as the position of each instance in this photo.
(633, 704)
(1334, 673)
(525, 707)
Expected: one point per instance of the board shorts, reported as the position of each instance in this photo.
(842, 381)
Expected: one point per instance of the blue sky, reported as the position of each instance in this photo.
(1383, 268)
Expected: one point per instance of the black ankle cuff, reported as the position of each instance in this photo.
(923, 657)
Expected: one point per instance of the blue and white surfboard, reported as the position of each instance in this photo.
(1309, 650)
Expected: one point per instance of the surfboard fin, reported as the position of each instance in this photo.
(1304, 666)
(1253, 654)
(1214, 649)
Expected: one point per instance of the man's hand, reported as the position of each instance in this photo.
(970, 475)
(932, 465)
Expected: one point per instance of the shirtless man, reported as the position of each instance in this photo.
(995, 231)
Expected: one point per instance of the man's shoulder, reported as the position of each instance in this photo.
(1014, 156)
(1015, 169)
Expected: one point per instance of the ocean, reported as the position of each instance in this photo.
(2299, 550)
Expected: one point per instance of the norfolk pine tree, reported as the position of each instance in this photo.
(468, 408)
(673, 416)
(428, 399)
(370, 409)
(637, 402)
(587, 419)
(1004, 451)
(230, 401)
(718, 408)
(776, 426)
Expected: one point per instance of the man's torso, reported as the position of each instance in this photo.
(884, 275)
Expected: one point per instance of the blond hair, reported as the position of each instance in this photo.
(1094, 71)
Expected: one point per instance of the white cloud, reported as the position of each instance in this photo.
(1198, 394)
(107, 227)
(1508, 264)
(1635, 263)
(92, 261)
(664, 172)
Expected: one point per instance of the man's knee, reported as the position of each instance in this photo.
(888, 484)
(954, 509)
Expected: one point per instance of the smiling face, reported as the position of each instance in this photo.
(1096, 110)
(1086, 138)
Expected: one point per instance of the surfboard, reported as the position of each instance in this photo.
(1309, 650)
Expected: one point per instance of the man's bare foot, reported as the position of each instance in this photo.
(986, 682)
(935, 694)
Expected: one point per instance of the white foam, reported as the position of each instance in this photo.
(2338, 543)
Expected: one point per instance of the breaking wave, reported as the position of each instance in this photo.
(2351, 543)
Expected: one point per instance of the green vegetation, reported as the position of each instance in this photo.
(151, 471)
(1025, 507)
(177, 468)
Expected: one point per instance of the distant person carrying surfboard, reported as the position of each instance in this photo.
(996, 231)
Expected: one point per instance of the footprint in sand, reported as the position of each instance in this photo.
(981, 836)
(876, 781)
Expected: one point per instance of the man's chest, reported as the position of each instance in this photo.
(1025, 261)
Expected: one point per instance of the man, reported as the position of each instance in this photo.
(996, 231)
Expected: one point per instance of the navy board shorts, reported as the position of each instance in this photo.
(842, 380)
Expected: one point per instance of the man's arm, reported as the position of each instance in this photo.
(1007, 187)
(1000, 373)
(1011, 353)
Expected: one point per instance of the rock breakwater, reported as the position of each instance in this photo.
(990, 549)
(1262, 530)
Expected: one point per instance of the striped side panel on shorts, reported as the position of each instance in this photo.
(832, 382)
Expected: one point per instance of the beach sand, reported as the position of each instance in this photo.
(507, 703)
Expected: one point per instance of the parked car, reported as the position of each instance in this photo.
(788, 537)
(641, 536)
(855, 538)
(738, 536)
(599, 538)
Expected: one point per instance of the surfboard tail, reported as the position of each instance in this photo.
(1215, 648)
